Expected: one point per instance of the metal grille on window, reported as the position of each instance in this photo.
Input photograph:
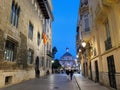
(9, 51)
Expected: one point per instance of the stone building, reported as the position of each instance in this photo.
(25, 39)
(102, 44)
(67, 60)
(83, 34)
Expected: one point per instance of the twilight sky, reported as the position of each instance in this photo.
(64, 26)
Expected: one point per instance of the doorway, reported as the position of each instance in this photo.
(96, 71)
(111, 71)
(37, 71)
(90, 71)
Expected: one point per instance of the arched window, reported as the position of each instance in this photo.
(17, 16)
(12, 12)
(38, 39)
(30, 31)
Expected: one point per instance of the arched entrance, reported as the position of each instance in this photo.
(37, 71)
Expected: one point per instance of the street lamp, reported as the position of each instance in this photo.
(77, 56)
(52, 61)
(80, 50)
(84, 44)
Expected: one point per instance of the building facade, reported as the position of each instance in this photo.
(102, 43)
(67, 60)
(83, 35)
(25, 39)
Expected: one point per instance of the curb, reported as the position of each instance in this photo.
(77, 84)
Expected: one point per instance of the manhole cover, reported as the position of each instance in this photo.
(56, 87)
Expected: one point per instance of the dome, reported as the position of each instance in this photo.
(67, 56)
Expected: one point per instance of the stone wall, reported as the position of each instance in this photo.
(22, 54)
(2, 42)
(17, 76)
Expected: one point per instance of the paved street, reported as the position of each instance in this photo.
(86, 84)
(53, 82)
(57, 82)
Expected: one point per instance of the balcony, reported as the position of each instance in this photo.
(45, 8)
(108, 44)
(49, 53)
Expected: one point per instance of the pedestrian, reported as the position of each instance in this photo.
(71, 73)
(47, 72)
(67, 72)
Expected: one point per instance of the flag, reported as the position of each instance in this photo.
(44, 38)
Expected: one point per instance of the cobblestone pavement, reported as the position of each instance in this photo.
(52, 82)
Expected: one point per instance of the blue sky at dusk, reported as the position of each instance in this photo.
(64, 26)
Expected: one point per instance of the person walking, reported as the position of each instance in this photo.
(71, 73)
(67, 72)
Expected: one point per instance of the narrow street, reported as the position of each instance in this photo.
(52, 82)
(42, 37)
(58, 82)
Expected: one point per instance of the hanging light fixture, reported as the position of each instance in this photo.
(84, 44)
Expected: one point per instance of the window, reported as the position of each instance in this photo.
(107, 28)
(48, 46)
(47, 61)
(38, 39)
(9, 54)
(108, 41)
(42, 63)
(15, 11)
(30, 32)
(85, 1)
(30, 57)
(86, 23)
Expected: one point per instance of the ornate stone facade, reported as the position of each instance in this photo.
(102, 53)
